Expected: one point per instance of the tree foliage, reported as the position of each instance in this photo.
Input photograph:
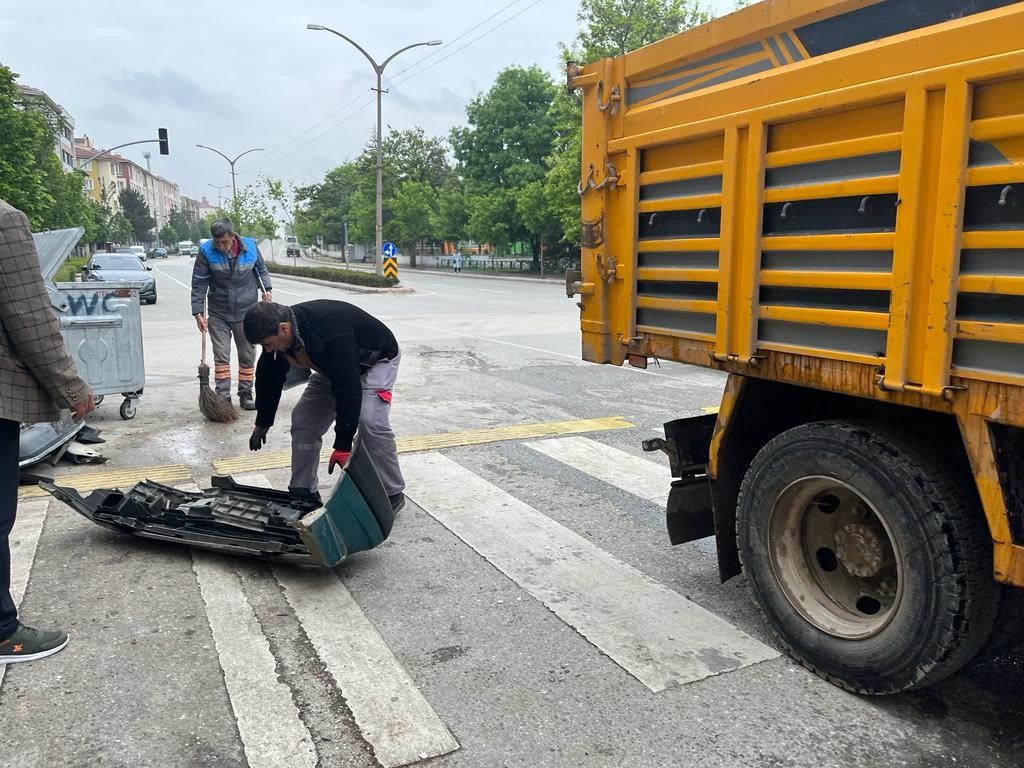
(135, 209)
(615, 27)
(510, 131)
(32, 178)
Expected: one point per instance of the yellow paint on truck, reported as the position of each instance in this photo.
(824, 198)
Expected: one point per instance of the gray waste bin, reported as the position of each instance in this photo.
(101, 324)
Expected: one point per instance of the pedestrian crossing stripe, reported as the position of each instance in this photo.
(267, 717)
(656, 635)
(626, 471)
(24, 539)
(391, 267)
(258, 462)
(652, 632)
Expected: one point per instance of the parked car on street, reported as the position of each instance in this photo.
(106, 267)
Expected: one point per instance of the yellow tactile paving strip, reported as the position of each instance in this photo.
(118, 478)
(255, 462)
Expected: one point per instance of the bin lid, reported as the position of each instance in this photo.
(53, 247)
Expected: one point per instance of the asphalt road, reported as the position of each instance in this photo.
(527, 610)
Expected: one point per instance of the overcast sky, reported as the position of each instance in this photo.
(236, 75)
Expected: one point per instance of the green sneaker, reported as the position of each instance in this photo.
(28, 644)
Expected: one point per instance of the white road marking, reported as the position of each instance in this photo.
(272, 732)
(24, 540)
(655, 634)
(623, 470)
(490, 290)
(189, 287)
(574, 358)
(391, 713)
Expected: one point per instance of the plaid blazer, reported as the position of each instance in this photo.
(37, 376)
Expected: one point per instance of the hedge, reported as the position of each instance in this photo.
(350, 276)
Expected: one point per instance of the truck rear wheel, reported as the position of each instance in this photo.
(868, 554)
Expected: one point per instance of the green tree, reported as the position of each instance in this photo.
(178, 220)
(322, 209)
(492, 218)
(169, 235)
(615, 27)
(250, 212)
(502, 150)
(450, 216)
(510, 131)
(32, 178)
(412, 205)
(119, 229)
(412, 155)
(538, 219)
(135, 209)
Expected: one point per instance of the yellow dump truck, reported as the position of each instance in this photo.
(825, 199)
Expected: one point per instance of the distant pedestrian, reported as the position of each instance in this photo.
(228, 277)
(354, 358)
(457, 261)
(37, 380)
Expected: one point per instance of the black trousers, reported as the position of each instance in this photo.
(10, 435)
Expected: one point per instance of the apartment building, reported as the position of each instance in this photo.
(61, 120)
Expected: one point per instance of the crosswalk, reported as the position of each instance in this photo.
(658, 637)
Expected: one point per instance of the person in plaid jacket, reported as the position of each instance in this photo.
(37, 380)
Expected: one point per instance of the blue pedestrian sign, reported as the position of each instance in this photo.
(389, 250)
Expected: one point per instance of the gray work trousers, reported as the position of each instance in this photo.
(221, 331)
(313, 415)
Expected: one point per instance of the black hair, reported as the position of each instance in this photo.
(263, 318)
(221, 227)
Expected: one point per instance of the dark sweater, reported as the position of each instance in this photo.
(339, 340)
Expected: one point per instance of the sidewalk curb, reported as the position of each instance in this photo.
(558, 280)
(343, 286)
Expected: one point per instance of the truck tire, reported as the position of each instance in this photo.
(1008, 634)
(868, 554)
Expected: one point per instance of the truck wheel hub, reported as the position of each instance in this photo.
(859, 549)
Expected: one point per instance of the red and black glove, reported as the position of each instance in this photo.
(338, 459)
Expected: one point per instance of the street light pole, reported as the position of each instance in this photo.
(219, 187)
(379, 69)
(234, 191)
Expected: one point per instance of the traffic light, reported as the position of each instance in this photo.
(162, 135)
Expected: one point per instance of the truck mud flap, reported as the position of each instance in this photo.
(689, 514)
(248, 520)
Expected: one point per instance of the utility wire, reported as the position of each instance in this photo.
(266, 162)
(357, 108)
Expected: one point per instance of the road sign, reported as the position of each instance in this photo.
(391, 267)
(389, 250)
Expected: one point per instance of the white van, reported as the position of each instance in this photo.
(184, 246)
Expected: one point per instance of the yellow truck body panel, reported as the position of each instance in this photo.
(826, 193)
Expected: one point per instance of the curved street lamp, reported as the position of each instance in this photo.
(379, 69)
(234, 192)
(220, 197)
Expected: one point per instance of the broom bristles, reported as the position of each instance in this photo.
(211, 405)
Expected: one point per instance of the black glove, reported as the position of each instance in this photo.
(258, 438)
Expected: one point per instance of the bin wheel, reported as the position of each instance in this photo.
(98, 399)
(127, 410)
(869, 555)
